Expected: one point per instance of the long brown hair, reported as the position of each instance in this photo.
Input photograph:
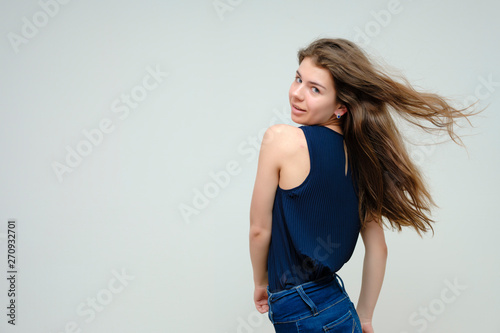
(390, 185)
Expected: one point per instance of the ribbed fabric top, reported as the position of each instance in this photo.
(315, 226)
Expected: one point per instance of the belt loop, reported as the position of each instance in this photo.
(338, 277)
(269, 299)
(308, 301)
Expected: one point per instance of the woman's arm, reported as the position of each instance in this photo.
(373, 273)
(266, 183)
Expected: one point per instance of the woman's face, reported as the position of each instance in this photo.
(312, 95)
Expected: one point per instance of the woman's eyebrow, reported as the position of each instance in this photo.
(314, 83)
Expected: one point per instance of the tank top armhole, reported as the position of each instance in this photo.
(311, 164)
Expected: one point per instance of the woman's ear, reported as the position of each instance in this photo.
(342, 109)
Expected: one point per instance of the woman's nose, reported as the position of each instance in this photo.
(297, 92)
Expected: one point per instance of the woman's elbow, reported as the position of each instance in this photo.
(257, 232)
(383, 251)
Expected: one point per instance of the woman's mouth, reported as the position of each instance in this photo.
(295, 109)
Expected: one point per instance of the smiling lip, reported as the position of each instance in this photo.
(297, 109)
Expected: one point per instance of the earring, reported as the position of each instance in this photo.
(338, 116)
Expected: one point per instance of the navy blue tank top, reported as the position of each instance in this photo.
(315, 225)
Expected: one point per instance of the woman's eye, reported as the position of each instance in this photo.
(316, 90)
(298, 79)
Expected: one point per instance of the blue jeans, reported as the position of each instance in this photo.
(316, 306)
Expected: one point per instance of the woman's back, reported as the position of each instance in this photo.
(315, 223)
(296, 166)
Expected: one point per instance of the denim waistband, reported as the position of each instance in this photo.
(305, 299)
(307, 286)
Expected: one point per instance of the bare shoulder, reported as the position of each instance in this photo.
(283, 141)
(284, 136)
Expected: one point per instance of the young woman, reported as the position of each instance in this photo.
(344, 172)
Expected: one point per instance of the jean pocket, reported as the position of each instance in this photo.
(344, 324)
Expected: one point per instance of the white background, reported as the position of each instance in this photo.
(119, 210)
